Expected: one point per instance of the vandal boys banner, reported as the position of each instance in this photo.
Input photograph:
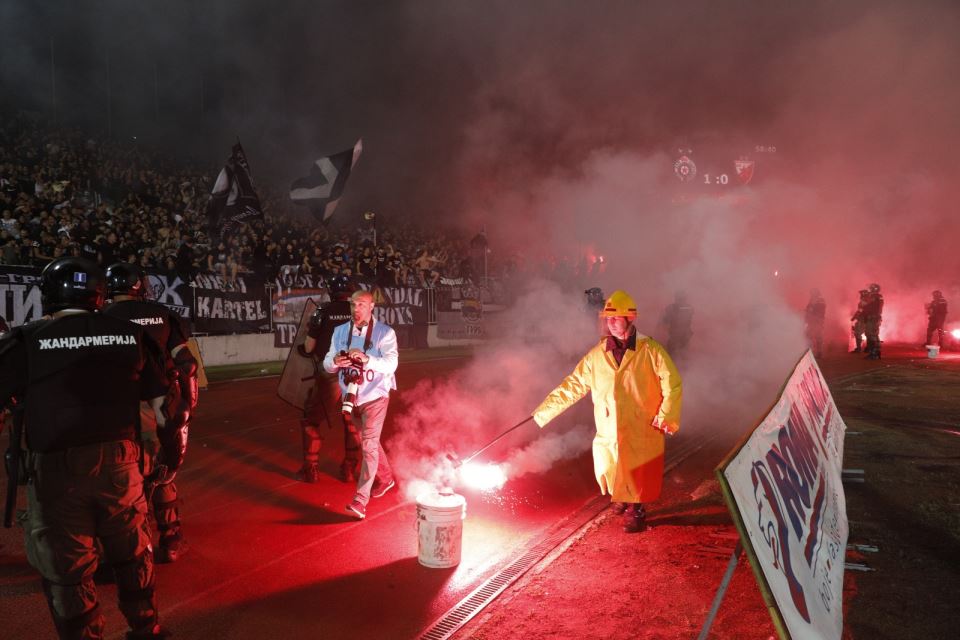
(403, 308)
(789, 500)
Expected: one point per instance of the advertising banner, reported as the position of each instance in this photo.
(784, 490)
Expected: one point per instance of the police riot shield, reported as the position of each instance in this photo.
(299, 371)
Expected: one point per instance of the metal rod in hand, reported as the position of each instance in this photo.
(494, 441)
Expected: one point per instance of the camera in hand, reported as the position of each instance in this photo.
(352, 377)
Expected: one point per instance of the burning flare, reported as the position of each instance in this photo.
(483, 476)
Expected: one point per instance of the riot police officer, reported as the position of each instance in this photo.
(323, 403)
(127, 287)
(857, 326)
(872, 317)
(814, 316)
(678, 318)
(936, 316)
(79, 376)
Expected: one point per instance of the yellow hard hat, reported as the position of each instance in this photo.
(619, 304)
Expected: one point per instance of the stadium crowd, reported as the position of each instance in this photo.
(63, 192)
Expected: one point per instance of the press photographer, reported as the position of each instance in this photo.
(363, 354)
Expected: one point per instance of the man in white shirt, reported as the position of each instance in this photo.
(363, 354)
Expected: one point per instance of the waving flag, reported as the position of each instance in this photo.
(322, 188)
(232, 200)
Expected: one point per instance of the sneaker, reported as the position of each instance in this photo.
(380, 489)
(309, 473)
(357, 509)
(618, 508)
(169, 549)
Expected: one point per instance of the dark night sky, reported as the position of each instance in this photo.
(556, 123)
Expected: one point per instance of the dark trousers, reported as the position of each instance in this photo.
(76, 498)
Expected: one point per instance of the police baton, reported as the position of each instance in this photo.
(12, 462)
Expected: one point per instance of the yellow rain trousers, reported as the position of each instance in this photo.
(627, 450)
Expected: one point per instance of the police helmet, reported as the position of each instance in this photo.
(71, 283)
(125, 279)
(340, 286)
(938, 294)
(594, 295)
(874, 288)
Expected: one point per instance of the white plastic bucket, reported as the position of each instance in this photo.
(933, 350)
(440, 528)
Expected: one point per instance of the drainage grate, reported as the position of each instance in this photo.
(450, 622)
(470, 606)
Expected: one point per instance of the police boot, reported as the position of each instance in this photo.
(618, 508)
(634, 518)
(154, 631)
(349, 470)
(309, 473)
(171, 546)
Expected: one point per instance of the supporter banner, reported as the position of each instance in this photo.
(291, 290)
(20, 294)
(404, 309)
(172, 292)
(238, 308)
(784, 491)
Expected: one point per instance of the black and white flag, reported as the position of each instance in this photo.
(232, 200)
(321, 190)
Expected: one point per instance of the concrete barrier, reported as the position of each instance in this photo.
(244, 348)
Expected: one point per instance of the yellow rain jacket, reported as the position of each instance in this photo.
(627, 450)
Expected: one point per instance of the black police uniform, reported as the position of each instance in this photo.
(814, 317)
(872, 318)
(80, 378)
(323, 402)
(678, 317)
(936, 317)
(167, 330)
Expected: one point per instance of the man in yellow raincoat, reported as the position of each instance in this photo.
(636, 393)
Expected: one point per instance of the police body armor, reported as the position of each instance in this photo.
(84, 380)
(166, 329)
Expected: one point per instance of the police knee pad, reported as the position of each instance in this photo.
(71, 603)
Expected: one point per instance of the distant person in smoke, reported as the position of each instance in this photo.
(678, 318)
(936, 317)
(813, 319)
(636, 393)
(872, 317)
(857, 328)
(363, 354)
